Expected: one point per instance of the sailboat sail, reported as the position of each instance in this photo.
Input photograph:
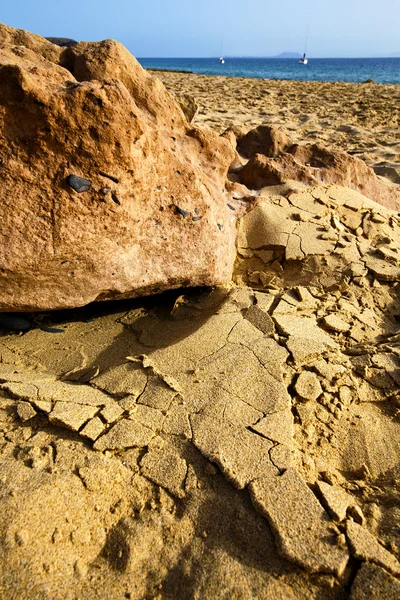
(221, 59)
(304, 59)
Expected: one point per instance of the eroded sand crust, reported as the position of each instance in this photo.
(240, 442)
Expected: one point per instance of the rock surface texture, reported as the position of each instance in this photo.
(107, 191)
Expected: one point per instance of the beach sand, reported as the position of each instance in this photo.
(206, 398)
(360, 118)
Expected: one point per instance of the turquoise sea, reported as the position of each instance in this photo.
(381, 70)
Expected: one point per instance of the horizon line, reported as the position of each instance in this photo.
(274, 56)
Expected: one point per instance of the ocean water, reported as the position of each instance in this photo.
(381, 70)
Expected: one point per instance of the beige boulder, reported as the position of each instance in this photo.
(107, 191)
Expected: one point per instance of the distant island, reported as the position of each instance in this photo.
(288, 55)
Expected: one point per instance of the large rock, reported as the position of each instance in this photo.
(273, 160)
(107, 191)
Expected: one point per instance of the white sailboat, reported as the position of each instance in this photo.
(304, 59)
(221, 58)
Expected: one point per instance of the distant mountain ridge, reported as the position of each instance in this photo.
(288, 55)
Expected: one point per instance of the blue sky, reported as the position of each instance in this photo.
(178, 28)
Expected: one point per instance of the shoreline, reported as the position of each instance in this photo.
(183, 71)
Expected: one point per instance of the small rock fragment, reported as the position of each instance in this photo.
(71, 415)
(78, 183)
(304, 349)
(335, 323)
(260, 319)
(382, 269)
(165, 469)
(308, 386)
(93, 429)
(336, 501)
(365, 546)
(277, 427)
(304, 327)
(25, 411)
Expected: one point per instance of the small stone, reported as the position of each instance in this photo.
(25, 411)
(378, 218)
(308, 386)
(337, 224)
(277, 427)
(78, 183)
(304, 327)
(260, 319)
(335, 323)
(304, 349)
(115, 198)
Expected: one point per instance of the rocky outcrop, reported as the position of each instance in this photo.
(107, 191)
(273, 159)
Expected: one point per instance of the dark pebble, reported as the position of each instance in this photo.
(196, 218)
(220, 227)
(13, 323)
(115, 198)
(180, 211)
(78, 183)
(52, 330)
(114, 179)
(231, 207)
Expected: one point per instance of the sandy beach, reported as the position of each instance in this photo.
(234, 442)
(362, 119)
